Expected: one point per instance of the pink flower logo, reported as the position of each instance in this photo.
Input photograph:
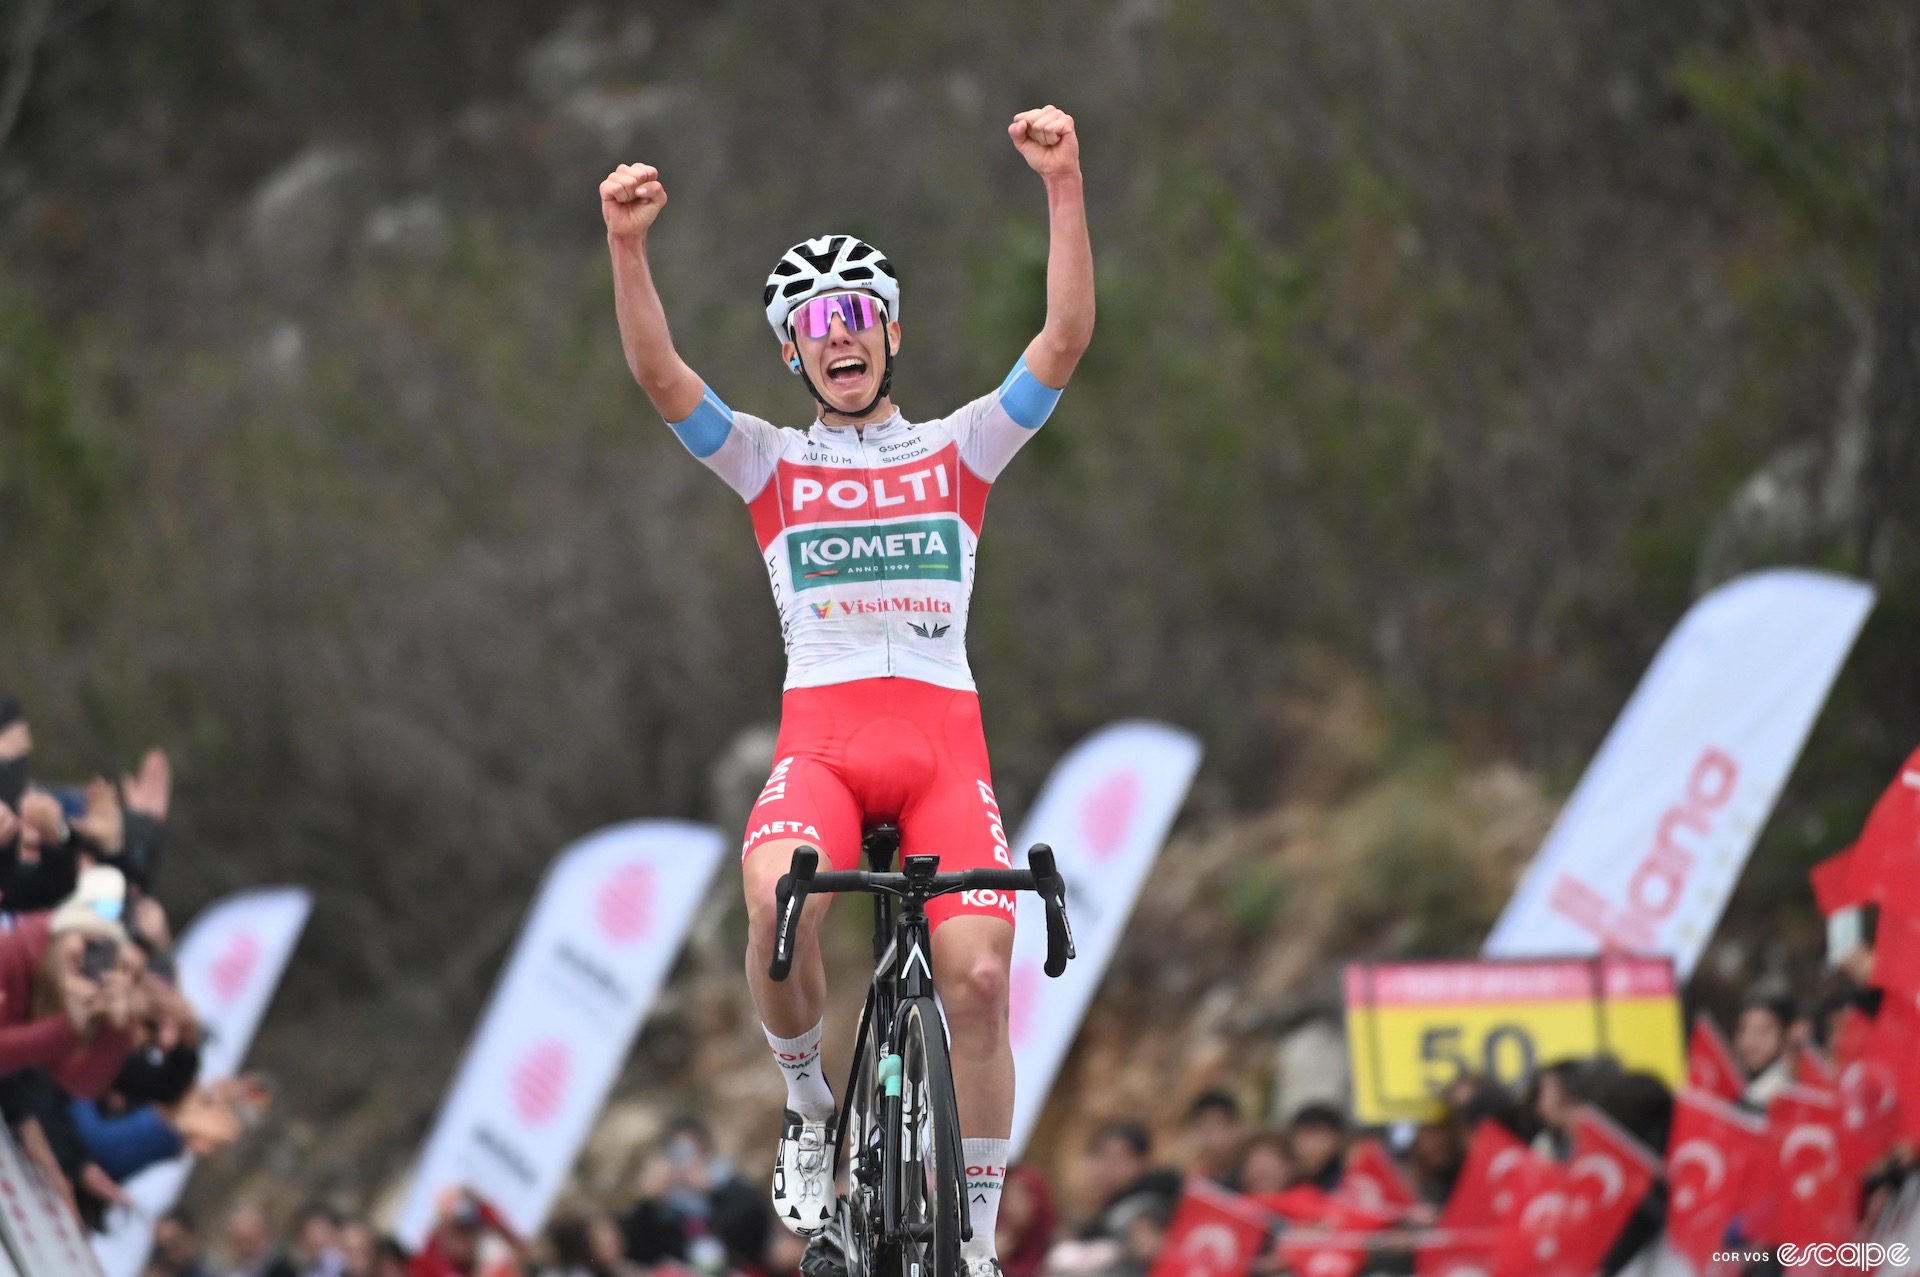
(1107, 813)
(624, 908)
(233, 969)
(540, 1082)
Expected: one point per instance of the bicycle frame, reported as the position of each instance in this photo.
(900, 997)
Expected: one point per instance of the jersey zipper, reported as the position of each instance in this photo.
(873, 522)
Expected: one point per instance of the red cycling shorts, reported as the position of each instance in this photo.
(893, 750)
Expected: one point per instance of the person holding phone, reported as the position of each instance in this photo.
(65, 1007)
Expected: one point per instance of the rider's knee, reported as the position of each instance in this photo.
(760, 876)
(977, 987)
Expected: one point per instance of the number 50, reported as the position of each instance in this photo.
(1506, 1055)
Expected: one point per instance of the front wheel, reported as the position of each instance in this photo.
(930, 1193)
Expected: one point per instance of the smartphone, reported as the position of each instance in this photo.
(98, 957)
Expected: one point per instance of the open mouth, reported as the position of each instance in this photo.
(846, 372)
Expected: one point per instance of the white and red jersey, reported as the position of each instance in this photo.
(869, 535)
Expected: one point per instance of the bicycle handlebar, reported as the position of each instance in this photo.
(803, 878)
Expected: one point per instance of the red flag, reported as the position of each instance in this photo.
(1811, 1069)
(1301, 1204)
(1373, 1185)
(1713, 1150)
(1314, 1253)
(1869, 1059)
(1608, 1174)
(1815, 1200)
(1896, 946)
(1214, 1233)
(1710, 1063)
(1891, 836)
(1532, 1246)
(1496, 1175)
(1894, 1047)
(1841, 881)
(1499, 1171)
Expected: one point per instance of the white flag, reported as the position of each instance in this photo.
(229, 962)
(603, 932)
(1653, 839)
(1105, 811)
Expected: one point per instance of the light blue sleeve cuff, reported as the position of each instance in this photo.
(708, 427)
(1026, 399)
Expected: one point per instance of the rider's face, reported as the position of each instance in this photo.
(846, 367)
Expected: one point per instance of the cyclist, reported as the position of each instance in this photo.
(868, 524)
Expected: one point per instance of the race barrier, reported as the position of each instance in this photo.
(1648, 848)
(602, 934)
(1105, 810)
(1415, 1028)
(228, 962)
(41, 1235)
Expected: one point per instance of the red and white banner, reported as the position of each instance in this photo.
(43, 1238)
(603, 932)
(1105, 811)
(229, 962)
(1649, 846)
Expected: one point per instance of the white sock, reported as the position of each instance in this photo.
(986, 1175)
(799, 1059)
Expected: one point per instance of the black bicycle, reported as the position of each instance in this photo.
(897, 1140)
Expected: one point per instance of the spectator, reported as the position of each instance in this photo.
(1434, 1158)
(319, 1242)
(1556, 1105)
(468, 1238)
(1317, 1146)
(742, 1222)
(390, 1259)
(572, 1247)
(176, 1246)
(1760, 1044)
(359, 1249)
(1475, 1097)
(1643, 1106)
(250, 1246)
(1119, 1177)
(1027, 1222)
(677, 1184)
(1266, 1167)
(63, 1005)
(1214, 1130)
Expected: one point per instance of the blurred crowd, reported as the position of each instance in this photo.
(690, 1214)
(99, 1051)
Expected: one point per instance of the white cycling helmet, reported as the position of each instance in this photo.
(828, 264)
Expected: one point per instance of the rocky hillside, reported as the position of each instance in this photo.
(1466, 341)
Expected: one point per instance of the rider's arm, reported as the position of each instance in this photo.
(1047, 141)
(630, 199)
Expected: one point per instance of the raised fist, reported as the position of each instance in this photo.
(630, 198)
(1046, 140)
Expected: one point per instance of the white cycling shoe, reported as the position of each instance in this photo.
(984, 1266)
(803, 1196)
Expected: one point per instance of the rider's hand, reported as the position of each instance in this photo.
(631, 198)
(1046, 141)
